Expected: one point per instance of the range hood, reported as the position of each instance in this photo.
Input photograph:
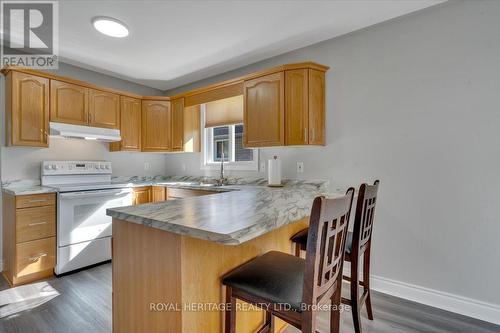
(84, 132)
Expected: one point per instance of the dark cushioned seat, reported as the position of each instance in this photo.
(301, 238)
(275, 277)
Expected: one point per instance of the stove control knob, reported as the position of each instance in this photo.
(107, 167)
(47, 167)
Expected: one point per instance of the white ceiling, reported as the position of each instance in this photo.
(176, 42)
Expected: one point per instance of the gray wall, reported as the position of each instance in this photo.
(414, 102)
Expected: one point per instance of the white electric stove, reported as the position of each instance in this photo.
(85, 191)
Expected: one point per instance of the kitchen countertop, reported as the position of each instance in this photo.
(25, 187)
(245, 209)
(242, 211)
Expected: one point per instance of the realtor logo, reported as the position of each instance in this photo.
(29, 34)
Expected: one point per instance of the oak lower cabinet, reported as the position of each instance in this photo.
(158, 193)
(264, 111)
(69, 103)
(304, 107)
(104, 109)
(29, 237)
(141, 195)
(130, 125)
(177, 124)
(156, 126)
(181, 193)
(27, 110)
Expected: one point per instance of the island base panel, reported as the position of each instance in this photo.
(152, 266)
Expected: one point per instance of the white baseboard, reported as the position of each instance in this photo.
(438, 299)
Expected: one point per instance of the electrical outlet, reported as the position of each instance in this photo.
(300, 167)
(147, 165)
(262, 166)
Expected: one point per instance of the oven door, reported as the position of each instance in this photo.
(81, 216)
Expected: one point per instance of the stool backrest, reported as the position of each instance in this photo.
(363, 220)
(328, 226)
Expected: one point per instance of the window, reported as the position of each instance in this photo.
(227, 141)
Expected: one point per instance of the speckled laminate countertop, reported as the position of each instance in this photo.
(238, 214)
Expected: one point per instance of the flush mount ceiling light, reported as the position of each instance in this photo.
(110, 26)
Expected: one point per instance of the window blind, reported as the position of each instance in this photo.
(227, 111)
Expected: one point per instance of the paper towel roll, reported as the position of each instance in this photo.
(274, 171)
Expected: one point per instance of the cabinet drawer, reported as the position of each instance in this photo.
(35, 256)
(180, 193)
(35, 200)
(35, 223)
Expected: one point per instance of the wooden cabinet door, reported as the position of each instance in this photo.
(296, 107)
(191, 124)
(27, 98)
(142, 195)
(156, 126)
(316, 107)
(68, 103)
(177, 124)
(104, 109)
(130, 125)
(264, 111)
(35, 259)
(159, 193)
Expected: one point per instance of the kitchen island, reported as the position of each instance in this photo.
(168, 257)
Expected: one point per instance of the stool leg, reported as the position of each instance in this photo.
(335, 310)
(366, 282)
(297, 250)
(230, 320)
(269, 322)
(356, 317)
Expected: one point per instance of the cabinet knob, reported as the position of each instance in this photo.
(37, 223)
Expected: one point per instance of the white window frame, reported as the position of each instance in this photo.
(207, 151)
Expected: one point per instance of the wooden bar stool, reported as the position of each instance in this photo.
(276, 279)
(358, 243)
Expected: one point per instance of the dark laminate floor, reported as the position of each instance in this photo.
(84, 305)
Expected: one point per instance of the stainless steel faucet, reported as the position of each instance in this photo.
(221, 181)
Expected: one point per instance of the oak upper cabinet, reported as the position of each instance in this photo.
(104, 109)
(156, 126)
(304, 107)
(264, 111)
(130, 125)
(177, 124)
(316, 107)
(192, 133)
(69, 103)
(27, 110)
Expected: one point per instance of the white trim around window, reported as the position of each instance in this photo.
(207, 151)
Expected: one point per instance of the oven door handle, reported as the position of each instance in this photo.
(90, 194)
